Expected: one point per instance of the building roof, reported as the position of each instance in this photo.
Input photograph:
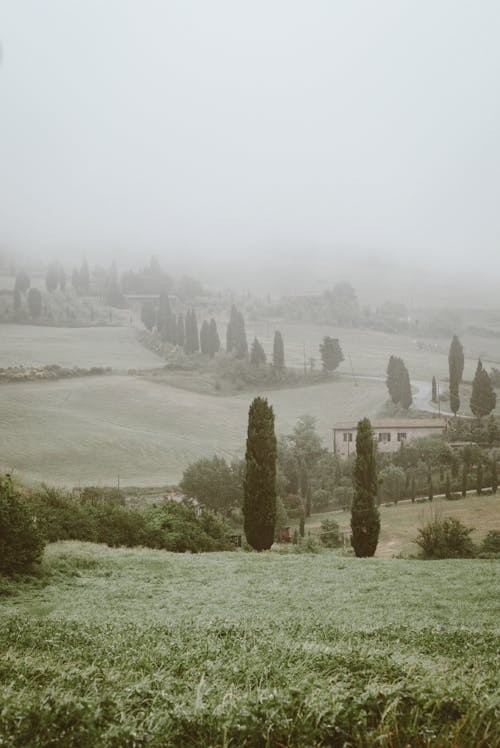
(397, 423)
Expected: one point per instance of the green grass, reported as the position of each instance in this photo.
(136, 647)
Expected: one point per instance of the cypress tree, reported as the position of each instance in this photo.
(393, 380)
(302, 525)
(148, 315)
(205, 338)
(431, 489)
(213, 338)
(456, 370)
(483, 398)
(465, 470)
(236, 338)
(365, 517)
(434, 390)
(406, 396)
(191, 337)
(257, 354)
(259, 503)
(413, 492)
(479, 478)
(494, 475)
(164, 316)
(447, 487)
(181, 334)
(278, 352)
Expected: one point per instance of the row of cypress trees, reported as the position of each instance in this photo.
(259, 502)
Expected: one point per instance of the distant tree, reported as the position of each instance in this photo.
(148, 315)
(22, 282)
(331, 354)
(447, 486)
(406, 396)
(494, 475)
(413, 490)
(52, 277)
(465, 471)
(236, 338)
(17, 300)
(479, 479)
(172, 329)
(483, 398)
(456, 369)
(302, 525)
(215, 483)
(181, 335)
(259, 504)
(84, 277)
(365, 518)
(35, 303)
(205, 338)
(257, 354)
(164, 316)
(330, 533)
(392, 483)
(434, 390)
(213, 338)
(191, 338)
(278, 352)
(62, 278)
(431, 489)
(75, 279)
(21, 544)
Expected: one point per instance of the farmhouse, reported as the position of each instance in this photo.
(388, 433)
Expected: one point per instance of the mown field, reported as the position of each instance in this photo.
(136, 647)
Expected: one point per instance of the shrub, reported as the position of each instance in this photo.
(329, 534)
(491, 544)
(445, 538)
(21, 544)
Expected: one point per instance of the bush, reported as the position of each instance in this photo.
(445, 538)
(21, 544)
(490, 547)
(329, 534)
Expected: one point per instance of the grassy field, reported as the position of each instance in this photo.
(147, 648)
(92, 430)
(399, 522)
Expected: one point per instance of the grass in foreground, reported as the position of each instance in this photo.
(128, 648)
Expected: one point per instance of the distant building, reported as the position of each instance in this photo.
(388, 433)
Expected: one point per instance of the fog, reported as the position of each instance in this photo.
(288, 140)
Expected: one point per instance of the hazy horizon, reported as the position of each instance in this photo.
(302, 141)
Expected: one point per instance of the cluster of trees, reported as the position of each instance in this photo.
(179, 329)
(398, 383)
(99, 515)
(55, 277)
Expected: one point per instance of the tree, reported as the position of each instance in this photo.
(191, 337)
(365, 517)
(164, 316)
(35, 302)
(479, 479)
(494, 475)
(21, 544)
(205, 338)
(148, 315)
(213, 338)
(22, 282)
(215, 483)
(278, 352)
(456, 370)
(434, 390)
(257, 354)
(483, 398)
(236, 338)
(331, 354)
(398, 382)
(406, 396)
(259, 503)
(18, 303)
(445, 538)
(393, 483)
(52, 277)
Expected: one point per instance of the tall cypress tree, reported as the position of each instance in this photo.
(483, 398)
(257, 354)
(365, 517)
(393, 380)
(406, 396)
(456, 369)
(205, 338)
(278, 352)
(236, 338)
(434, 390)
(259, 503)
(213, 338)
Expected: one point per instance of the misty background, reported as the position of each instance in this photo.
(281, 145)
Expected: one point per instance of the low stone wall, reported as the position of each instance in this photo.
(49, 372)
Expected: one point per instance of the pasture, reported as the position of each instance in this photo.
(147, 648)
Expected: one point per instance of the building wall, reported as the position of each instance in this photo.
(388, 439)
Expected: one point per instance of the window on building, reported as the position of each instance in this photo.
(348, 436)
(384, 437)
(402, 436)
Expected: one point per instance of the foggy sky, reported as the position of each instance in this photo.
(240, 132)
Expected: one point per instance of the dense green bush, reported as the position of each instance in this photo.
(100, 515)
(491, 544)
(21, 543)
(329, 533)
(445, 538)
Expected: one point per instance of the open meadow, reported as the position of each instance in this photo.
(142, 647)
